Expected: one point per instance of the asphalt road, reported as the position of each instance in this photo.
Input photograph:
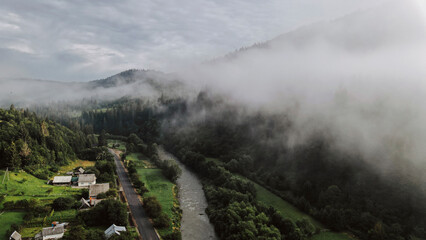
(144, 225)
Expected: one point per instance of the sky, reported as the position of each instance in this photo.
(84, 40)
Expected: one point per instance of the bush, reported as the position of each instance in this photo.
(105, 213)
(152, 206)
(63, 203)
(162, 221)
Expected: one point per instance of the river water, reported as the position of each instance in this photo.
(195, 224)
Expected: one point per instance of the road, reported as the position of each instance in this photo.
(144, 225)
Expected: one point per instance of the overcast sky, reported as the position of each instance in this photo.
(85, 40)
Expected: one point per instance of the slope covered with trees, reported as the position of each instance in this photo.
(36, 145)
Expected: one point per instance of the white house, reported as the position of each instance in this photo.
(49, 233)
(61, 180)
(15, 236)
(114, 230)
(86, 180)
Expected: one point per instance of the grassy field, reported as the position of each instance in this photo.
(7, 219)
(74, 164)
(286, 209)
(290, 212)
(25, 186)
(157, 184)
(22, 185)
(122, 144)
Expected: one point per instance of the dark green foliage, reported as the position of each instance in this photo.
(29, 142)
(162, 221)
(105, 213)
(152, 206)
(171, 170)
(78, 232)
(123, 236)
(102, 139)
(63, 203)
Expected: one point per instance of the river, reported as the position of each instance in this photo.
(195, 224)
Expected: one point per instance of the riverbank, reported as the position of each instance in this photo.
(195, 223)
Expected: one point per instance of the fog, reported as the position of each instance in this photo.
(359, 79)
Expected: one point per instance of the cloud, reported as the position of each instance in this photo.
(85, 40)
(358, 80)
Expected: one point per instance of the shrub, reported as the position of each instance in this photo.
(152, 206)
(162, 221)
(63, 203)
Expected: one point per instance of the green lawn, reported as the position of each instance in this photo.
(7, 219)
(25, 186)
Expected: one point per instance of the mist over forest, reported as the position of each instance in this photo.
(329, 117)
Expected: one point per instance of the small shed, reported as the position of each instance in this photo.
(114, 230)
(86, 180)
(61, 180)
(96, 189)
(15, 236)
(81, 170)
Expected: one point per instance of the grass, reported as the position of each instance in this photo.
(140, 160)
(77, 163)
(7, 219)
(284, 208)
(111, 142)
(25, 186)
(157, 185)
(30, 232)
(290, 212)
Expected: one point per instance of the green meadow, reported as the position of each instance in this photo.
(157, 185)
(7, 219)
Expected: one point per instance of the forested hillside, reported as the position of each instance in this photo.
(36, 145)
(340, 189)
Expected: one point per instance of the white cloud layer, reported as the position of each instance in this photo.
(84, 40)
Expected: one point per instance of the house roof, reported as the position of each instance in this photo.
(84, 202)
(62, 179)
(58, 229)
(15, 236)
(95, 189)
(86, 178)
(81, 170)
(114, 229)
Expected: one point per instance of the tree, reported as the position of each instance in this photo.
(63, 203)
(152, 206)
(102, 140)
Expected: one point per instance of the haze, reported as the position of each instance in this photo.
(87, 40)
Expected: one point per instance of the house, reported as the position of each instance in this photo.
(81, 170)
(15, 236)
(85, 180)
(55, 232)
(96, 189)
(62, 180)
(114, 230)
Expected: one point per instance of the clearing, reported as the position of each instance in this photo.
(9, 218)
